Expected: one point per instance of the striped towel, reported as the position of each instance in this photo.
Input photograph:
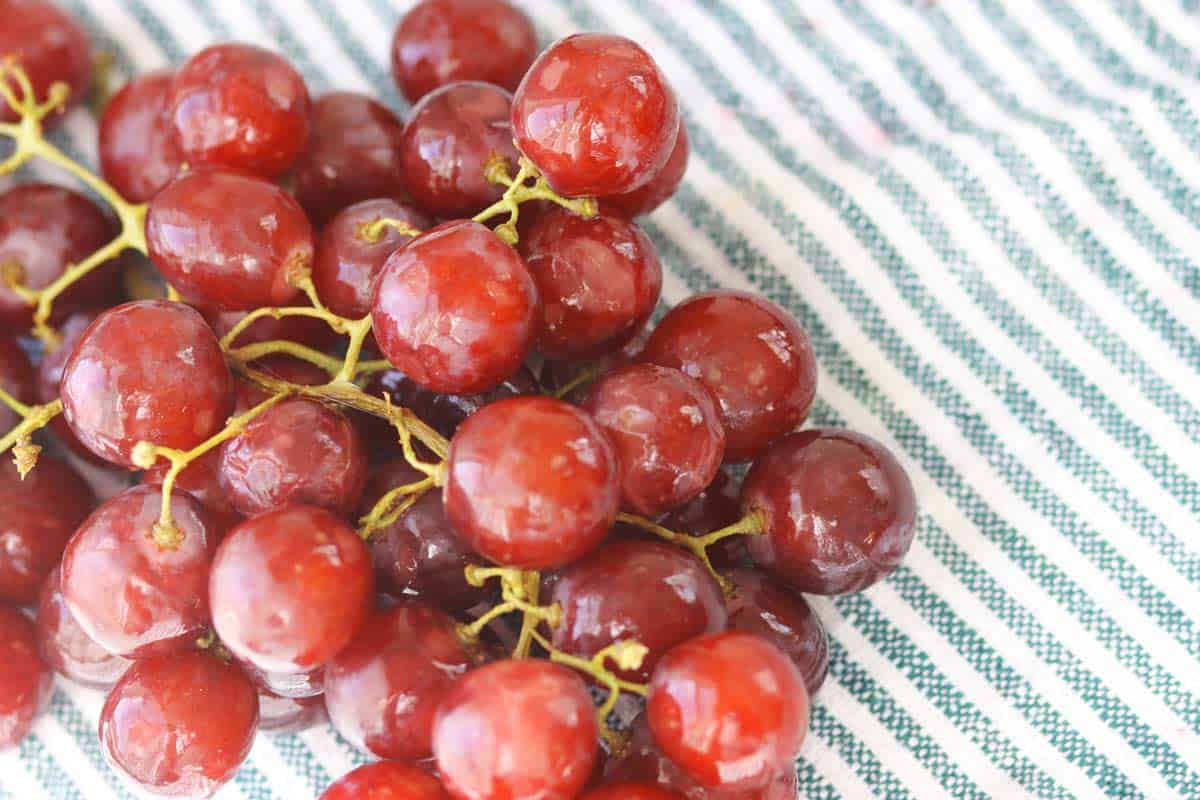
(987, 214)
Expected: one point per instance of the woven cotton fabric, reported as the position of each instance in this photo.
(987, 215)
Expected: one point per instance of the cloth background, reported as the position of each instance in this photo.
(987, 214)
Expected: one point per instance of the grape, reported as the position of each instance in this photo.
(657, 190)
(308, 331)
(25, 681)
(632, 791)
(386, 780)
(16, 378)
(287, 685)
(714, 508)
(840, 511)
(50, 45)
(66, 647)
(282, 367)
(49, 379)
(138, 151)
(765, 607)
(278, 714)
(200, 480)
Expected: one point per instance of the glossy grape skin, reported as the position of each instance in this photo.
(229, 240)
(65, 647)
(347, 262)
(441, 41)
(25, 681)
(297, 452)
(385, 780)
(44, 229)
(659, 189)
(353, 154)
(667, 431)
(180, 725)
(751, 354)
(448, 140)
(383, 690)
(532, 482)
(714, 508)
(201, 480)
(598, 279)
(419, 554)
(596, 115)
(631, 589)
(131, 596)
(150, 370)
(840, 510)
(51, 46)
(138, 151)
(632, 791)
(240, 107)
(455, 309)
(290, 588)
(16, 378)
(281, 715)
(729, 708)
(40, 513)
(765, 607)
(516, 729)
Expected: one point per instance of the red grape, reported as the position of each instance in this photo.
(49, 379)
(201, 480)
(283, 367)
(386, 780)
(150, 370)
(716, 507)
(298, 452)
(419, 554)
(138, 151)
(751, 354)
(667, 431)
(16, 378)
(132, 596)
(353, 155)
(651, 592)
(290, 589)
(40, 514)
(180, 725)
(25, 681)
(599, 280)
(516, 729)
(384, 688)
(454, 309)
(440, 41)
(765, 607)
(347, 261)
(448, 140)
(50, 45)
(632, 791)
(66, 647)
(657, 190)
(596, 115)
(840, 511)
(278, 714)
(230, 241)
(240, 107)
(729, 708)
(290, 685)
(43, 230)
(307, 331)
(532, 482)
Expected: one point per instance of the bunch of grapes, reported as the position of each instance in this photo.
(408, 458)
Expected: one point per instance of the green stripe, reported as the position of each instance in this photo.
(1158, 38)
(46, 770)
(867, 767)
(85, 735)
(297, 755)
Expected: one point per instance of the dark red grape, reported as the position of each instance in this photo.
(667, 431)
(631, 589)
(440, 41)
(765, 607)
(532, 482)
(657, 190)
(751, 354)
(40, 514)
(43, 230)
(201, 480)
(50, 45)
(49, 378)
(353, 154)
(419, 554)
(455, 309)
(16, 378)
(516, 729)
(386, 780)
(278, 714)
(596, 115)
(138, 151)
(66, 647)
(839, 510)
(228, 240)
(384, 688)
(25, 681)
(347, 261)
(180, 725)
(132, 596)
(297, 452)
(744, 694)
(716, 507)
(448, 140)
(632, 791)
(150, 370)
(598, 279)
(283, 367)
(240, 107)
(290, 589)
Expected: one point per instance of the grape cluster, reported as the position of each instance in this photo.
(408, 456)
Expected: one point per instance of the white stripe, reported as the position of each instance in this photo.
(833, 769)
(16, 778)
(1170, 17)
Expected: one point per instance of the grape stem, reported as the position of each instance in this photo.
(520, 190)
(33, 419)
(519, 592)
(393, 505)
(373, 231)
(753, 524)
